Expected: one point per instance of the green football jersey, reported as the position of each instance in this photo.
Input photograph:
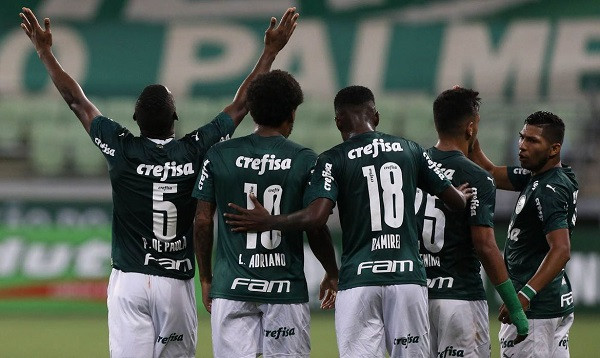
(257, 266)
(452, 266)
(374, 177)
(547, 202)
(153, 210)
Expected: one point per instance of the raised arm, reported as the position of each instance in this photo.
(203, 245)
(69, 89)
(500, 173)
(275, 39)
(313, 216)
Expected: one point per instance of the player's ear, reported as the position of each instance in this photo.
(555, 149)
(135, 119)
(175, 117)
(376, 119)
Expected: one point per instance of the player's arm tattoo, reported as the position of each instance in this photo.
(203, 238)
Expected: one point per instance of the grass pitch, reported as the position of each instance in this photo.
(78, 336)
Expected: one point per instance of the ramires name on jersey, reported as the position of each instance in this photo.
(379, 145)
(169, 169)
(267, 162)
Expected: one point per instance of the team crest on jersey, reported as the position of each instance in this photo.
(520, 204)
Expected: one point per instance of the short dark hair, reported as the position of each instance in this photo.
(452, 107)
(553, 128)
(352, 96)
(273, 96)
(155, 110)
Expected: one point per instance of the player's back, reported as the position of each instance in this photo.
(264, 266)
(452, 266)
(374, 176)
(152, 182)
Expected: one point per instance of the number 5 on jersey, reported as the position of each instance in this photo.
(271, 201)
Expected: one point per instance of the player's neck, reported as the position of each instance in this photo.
(448, 144)
(265, 131)
(550, 165)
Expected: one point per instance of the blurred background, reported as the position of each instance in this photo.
(55, 208)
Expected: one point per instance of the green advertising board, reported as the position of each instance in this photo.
(56, 258)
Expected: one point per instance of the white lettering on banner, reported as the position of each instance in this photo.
(567, 68)
(373, 41)
(237, 43)
(518, 57)
(35, 260)
(67, 44)
(516, 62)
(309, 50)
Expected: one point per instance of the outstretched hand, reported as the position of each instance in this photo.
(255, 219)
(41, 38)
(277, 37)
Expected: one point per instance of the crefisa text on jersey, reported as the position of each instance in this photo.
(378, 145)
(169, 169)
(267, 162)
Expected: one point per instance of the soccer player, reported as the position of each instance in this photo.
(454, 243)
(538, 244)
(257, 295)
(151, 303)
(373, 177)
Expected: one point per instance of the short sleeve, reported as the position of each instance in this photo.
(324, 180)
(518, 177)
(107, 135)
(204, 189)
(483, 203)
(431, 179)
(552, 204)
(219, 129)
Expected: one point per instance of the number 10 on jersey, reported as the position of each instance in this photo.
(272, 202)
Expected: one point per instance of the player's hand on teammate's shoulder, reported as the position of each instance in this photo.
(277, 37)
(248, 219)
(465, 190)
(41, 38)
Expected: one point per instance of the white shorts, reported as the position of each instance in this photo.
(151, 316)
(547, 338)
(371, 320)
(459, 328)
(246, 329)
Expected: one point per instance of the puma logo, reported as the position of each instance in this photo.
(548, 186)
